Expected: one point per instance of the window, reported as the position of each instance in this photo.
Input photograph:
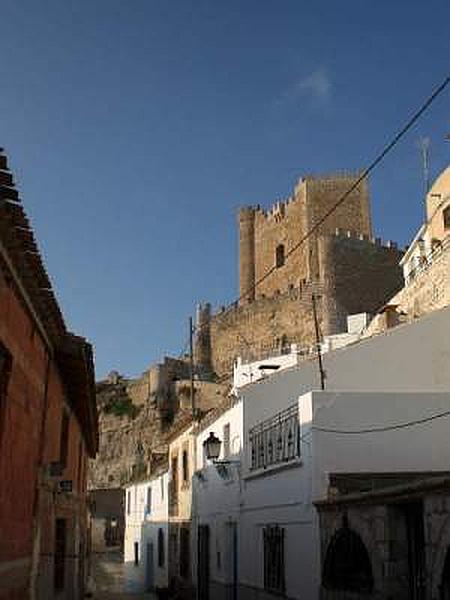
(226, 440)
(185, 552)
(148, 505)
(279, 256)
(161, 551)
(185, 459)
(446, 215)
(129, 502)
(274, 577)
(347, 564)
(162, 487)
(136, 553)
(64, 438)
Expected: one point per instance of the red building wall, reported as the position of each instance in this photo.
(30, 432)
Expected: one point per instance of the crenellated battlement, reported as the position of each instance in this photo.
(375, 241)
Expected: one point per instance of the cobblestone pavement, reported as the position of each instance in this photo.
(111, 579)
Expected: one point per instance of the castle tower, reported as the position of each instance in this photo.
(202, 346)
(247, 255)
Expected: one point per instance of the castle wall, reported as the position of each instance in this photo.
(286, 223)
(261, 328)
(353, 214)
(358, 275)
(354, 275)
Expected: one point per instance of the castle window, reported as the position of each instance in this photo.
(279, 256)
(347, 563)
(446, 215)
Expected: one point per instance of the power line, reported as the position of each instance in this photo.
(375, 162)
(385, 428)
(363, 175)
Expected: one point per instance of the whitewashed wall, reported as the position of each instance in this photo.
(216, 498)
(423, 447)
(142, 526)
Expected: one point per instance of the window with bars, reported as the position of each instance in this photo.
(274, 567)
(276, 440)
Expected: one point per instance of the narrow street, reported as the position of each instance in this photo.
(112, 579)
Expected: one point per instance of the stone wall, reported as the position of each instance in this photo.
(430, 288)
(287, 222)
(357, 274)
(252, 330)
(135, 418)
(383, 529)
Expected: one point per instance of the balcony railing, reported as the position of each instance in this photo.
(276, 440)
(427, 260)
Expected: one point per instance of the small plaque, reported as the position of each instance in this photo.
(65, 485)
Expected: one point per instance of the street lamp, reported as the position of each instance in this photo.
(212, 447)
(212, 452)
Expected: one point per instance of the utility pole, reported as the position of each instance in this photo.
(191, 367)
(319, 351)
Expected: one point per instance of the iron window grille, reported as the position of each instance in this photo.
(274, 567)
(276, 440)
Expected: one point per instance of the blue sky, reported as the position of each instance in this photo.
(136, 129)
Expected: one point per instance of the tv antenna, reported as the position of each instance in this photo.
(424, 145)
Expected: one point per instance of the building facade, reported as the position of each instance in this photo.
(48, 422)
(182, 458)
(147, 533)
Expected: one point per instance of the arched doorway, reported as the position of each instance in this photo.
(347, 564)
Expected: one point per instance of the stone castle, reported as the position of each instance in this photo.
(281, 267)
(341, 263)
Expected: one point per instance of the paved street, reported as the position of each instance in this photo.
(112, 579)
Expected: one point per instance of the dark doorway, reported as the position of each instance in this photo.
(203, 562)
(60, 553)
(416, 549)
(445, 580)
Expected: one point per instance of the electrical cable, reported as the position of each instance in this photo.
(375, 162)
(384, 428)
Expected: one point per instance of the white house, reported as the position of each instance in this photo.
(217, 493)
(287, 457)
(146, 534)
